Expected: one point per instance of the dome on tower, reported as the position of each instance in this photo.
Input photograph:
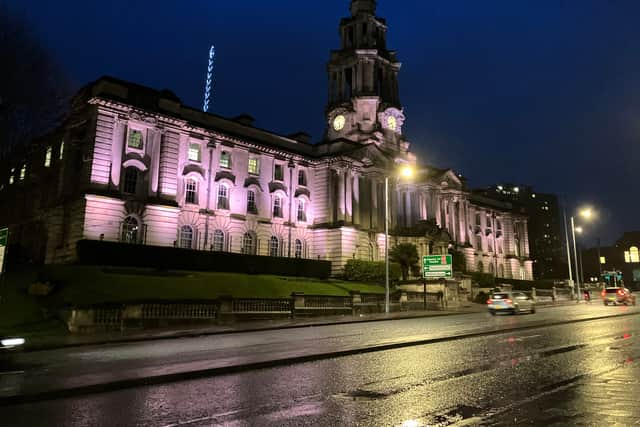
(363, 7)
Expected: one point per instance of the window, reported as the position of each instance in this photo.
(225, 160)
(499, 224)
(12, 177)
(302, 214)
(254, 166)
(480, 267)
(47, 157)
(277, 207)
(194, 152)
(61, 155)
(274, 246)
(130, 180)
(130, 228)
(218, 241)
(249, 243)
(191, 192)
(135, 139)
(488, 221)
(23, 172)
(478, 220)
(302, 178)
(186, 237)
(251, 202)
(633, 254)
(223, 197)
(478, 242)
(298, 249)
(278, 173)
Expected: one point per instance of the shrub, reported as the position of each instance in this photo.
(481, 298)
(370, 271)
(483, 280)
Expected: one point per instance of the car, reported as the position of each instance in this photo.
(510, 302)
(617, 295)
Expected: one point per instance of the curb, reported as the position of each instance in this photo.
(195, 333)
(210, 372)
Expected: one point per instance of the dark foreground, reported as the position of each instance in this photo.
(582, 373)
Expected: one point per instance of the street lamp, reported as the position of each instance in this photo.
(587, 214)
(406, 172)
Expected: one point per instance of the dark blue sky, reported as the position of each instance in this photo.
(540, 92)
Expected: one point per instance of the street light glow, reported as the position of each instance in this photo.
(578, 230)
(586, 213)
(406, 171)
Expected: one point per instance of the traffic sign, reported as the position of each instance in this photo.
(437, 266)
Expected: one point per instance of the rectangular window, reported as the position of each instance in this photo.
(302, 213)
(191, 192)
(278, 173)
(603, 260)
(194, 152)
(225, 160)
(135, 139)
(223, 197)
(277, 207)
(130, 180)
(251, 202)
(61, 155)
(478, 219)
(47, 157)
(254, 166)
(12, 176)
(302, 178)
(23, 172)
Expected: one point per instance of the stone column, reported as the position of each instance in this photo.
(154, 169)
(117, 149)
(348, 196)
(375, 205)
(438, 209)
(341, 200)
(355, 202)
(407, 207)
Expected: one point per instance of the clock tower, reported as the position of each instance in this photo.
(364, 104)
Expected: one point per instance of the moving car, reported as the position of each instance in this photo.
(510, 302)
(618, 295)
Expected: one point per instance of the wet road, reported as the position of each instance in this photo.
(583, 372)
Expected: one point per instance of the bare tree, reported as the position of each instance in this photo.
(33, 92)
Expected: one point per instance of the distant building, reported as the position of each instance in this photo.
(546, 234)
(134, 164)
(623, 256)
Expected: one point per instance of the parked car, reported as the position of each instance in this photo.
(510, 302)
(618, 295)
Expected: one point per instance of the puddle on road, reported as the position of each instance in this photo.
(455, 416)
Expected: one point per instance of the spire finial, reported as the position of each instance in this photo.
(363, 7)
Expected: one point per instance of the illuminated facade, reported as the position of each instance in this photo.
(140, 167)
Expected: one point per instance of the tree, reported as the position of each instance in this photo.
(405, 254)
(33, 92)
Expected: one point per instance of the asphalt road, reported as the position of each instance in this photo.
(583, 371)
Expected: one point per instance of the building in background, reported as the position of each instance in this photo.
(546, 234)
(623, 256)
(134, 164)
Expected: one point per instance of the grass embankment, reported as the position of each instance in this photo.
(83, 286)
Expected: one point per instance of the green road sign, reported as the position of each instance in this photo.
(437, 266)
(4, 236)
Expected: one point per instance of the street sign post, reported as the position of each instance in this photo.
(4, 240)
(437, 266)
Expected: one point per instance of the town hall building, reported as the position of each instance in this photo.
(133, 164)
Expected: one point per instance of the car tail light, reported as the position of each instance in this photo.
(508, 301)
(603, 293)
(620, 292)
(489, 301)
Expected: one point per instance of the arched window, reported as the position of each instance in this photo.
(191, 191)
(480, 267)
(186, 237)
(491, 269)
(225, 160)
(302, 178)
(130, 230)
(223, 197)
(302, 211)
(298, 249)
(501, 270)
(633, 254)
(130, 180)
(277, 207)
(218, 241)
(478, 243)
(252, 207)
(249, 243)
(274, 246)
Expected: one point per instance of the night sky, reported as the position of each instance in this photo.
(540, 92)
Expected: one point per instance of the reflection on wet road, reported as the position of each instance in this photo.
(565, 374)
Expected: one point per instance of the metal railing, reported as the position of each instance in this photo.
(107, 315)
(179, 311)
(257, 305)
(315, 301)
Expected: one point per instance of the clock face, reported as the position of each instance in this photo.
(339, 122)
(392, 122)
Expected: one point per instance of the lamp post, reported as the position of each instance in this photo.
(586, 214)
(406, 172)
(566, 234)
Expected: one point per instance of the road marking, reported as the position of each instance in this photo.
(11, 372)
